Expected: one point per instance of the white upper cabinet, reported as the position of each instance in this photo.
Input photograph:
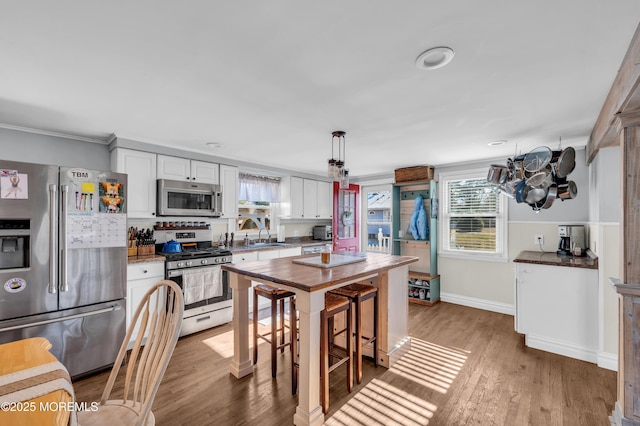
(205, 172)
(306, 198)
(310, 199)
(229, 182)
(325, 200)
(141, 170)
(291, 197)
(176, 168)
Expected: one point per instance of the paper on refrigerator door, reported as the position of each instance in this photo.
(96, 230)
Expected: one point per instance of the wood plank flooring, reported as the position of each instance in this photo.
(466, 367)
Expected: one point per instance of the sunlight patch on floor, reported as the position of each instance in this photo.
(222, 343)
(429, 365)
(380, 403)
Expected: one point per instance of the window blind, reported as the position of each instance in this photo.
(473, 217)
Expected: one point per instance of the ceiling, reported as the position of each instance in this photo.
(270, 80)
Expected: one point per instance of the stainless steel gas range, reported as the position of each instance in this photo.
(196, 269)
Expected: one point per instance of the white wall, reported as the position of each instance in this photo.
(54, 150)
(605, 241)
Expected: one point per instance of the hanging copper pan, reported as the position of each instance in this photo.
(567, 191)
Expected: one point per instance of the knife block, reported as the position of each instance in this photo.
(146, 250)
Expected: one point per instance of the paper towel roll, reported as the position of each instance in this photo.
(281, 232)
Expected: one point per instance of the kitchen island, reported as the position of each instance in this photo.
(388, 273)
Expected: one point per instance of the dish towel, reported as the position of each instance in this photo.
(201, 283)
(35, 382)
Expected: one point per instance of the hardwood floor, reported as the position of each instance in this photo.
(466, 367)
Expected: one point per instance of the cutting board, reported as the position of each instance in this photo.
(336, 260)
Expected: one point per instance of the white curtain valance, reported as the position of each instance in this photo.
(258, 188)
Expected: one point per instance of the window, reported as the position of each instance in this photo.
(474, 220)
(377, 219)
(257, 198)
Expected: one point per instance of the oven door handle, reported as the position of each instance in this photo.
(178, 272)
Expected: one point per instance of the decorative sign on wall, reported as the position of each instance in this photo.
(537, 178)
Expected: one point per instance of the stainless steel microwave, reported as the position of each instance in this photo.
(177, 198)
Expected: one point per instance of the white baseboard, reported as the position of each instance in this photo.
(608, 360)
(561, 347)
(472, 302)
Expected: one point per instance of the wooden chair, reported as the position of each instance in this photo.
(334, 305)
(358, 293)
(277, 297)
(160, 317)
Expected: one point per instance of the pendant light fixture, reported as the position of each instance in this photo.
(336, 169)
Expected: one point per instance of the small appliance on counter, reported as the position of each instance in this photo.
(323, 232)
(572, 240)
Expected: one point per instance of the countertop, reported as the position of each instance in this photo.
(244, 249)
(236, 249)
(309, 278)
(590, 261)
(145, 259)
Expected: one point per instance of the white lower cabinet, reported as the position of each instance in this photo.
(557, 309)
(140, 278)
(290, 251)
(251, 256)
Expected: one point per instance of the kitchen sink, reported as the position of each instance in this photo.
(259, 245)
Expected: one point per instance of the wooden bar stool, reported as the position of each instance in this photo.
(358, 293)
(275, 295)
(334, 305)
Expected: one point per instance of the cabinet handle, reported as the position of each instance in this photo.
(188, 178)
(144, 271)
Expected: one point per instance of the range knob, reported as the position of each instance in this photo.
(180, 264)
(217, 260)
(188, 263)
(204, 261)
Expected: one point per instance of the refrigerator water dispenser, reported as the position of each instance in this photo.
(14, 244)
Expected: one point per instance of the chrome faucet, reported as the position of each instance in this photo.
(268, 235)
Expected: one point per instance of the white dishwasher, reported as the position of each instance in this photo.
(312, 249)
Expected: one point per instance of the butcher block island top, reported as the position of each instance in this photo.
(388, 273)
(308, 278)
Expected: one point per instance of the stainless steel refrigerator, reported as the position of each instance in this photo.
(63, 261)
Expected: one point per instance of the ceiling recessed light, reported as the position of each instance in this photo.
(435, 58)
(214, 145)
(496, 143)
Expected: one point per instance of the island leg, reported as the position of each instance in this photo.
(309, 410)
(393, 308)
(241, 364)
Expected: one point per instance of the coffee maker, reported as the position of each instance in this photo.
(571, 237)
